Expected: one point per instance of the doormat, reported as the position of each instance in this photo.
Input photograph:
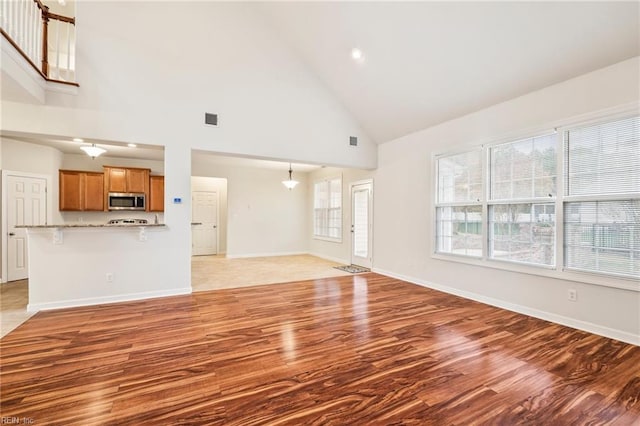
(353, 269)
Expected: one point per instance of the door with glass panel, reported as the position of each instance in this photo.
(361, 224)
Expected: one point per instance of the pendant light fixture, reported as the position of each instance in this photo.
(290, 183)
(93, 151)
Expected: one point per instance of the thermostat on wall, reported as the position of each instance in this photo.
(177, 200)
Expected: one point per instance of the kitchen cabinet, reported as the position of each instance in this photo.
(126, 179)
(156, 193)
(81, 191)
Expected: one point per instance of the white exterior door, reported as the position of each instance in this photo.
(361, 224)
(204, 223)
(26, 205)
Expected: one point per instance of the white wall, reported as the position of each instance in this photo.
(336, 251)
(219, 185)
(264, 218)
(138, 85)
(403, 206)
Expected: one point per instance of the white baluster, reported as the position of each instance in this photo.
(29, 43)
(69, 51)
(58, 49)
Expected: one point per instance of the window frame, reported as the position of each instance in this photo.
(326, 237)
(558, 270)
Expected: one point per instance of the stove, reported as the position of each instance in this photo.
(127, 222)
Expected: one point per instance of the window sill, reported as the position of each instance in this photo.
(622, 283)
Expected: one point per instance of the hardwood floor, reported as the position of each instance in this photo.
(363, 349)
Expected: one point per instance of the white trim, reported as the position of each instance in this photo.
(589, 327)
(35, 307)
(247, 255)
(4, 243)
(369, 182)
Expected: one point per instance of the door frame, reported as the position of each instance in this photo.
(351, 185)
(4, 241)
(217, 220)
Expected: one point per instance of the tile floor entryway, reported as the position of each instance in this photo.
(13, 305)
(207, 273)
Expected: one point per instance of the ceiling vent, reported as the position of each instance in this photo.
(211, 119)
(353, 141)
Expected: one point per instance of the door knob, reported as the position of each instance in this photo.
(11, 234)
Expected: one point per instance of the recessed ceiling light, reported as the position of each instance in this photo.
(357, 54)
(79, 140)
(131, 145)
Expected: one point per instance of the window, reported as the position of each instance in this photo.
(500, 203)
(522, 200)
(327, 209)
(602, 198)
(459, 208)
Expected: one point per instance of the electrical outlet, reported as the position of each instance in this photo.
(109, 277)
(572, 295)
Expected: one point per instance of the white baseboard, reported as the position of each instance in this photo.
(73, 303)
(600, 330)
(331, 258)
(286, 253)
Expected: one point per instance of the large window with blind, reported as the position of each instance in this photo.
(602, 198)
(566, 200)
(327, 209)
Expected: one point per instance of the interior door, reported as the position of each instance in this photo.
(361, 224)
(204, 223)
(27, 205)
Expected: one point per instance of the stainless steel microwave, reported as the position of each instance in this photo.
(126, 201)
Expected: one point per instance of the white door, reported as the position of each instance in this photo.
(361, 224)
(27, 205)
(204, 223)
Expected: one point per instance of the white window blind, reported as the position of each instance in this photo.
(327, 209)
(459, 208)
(603, 158)
(602, 203)
(523, 176)
(460, 177)
(524, 169)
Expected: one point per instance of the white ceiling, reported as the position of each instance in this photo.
(429, 62)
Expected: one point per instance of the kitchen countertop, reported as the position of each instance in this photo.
(92, 225)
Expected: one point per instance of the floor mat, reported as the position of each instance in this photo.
(353, 269)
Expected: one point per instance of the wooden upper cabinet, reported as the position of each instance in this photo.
(117, 179)
(126, 179)
(93, 191)
(156, 193)
(138, 180)
(81, 191)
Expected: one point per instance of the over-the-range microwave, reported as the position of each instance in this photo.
(126, 201)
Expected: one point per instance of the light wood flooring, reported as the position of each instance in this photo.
(355, 350)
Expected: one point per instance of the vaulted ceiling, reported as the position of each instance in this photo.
(429, 62)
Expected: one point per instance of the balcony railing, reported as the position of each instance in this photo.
(46, 40)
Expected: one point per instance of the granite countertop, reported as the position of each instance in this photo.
(92, 225)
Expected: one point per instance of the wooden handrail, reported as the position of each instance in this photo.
(57, 17)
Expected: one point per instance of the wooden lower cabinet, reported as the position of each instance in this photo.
(156, 193)
(81, 191)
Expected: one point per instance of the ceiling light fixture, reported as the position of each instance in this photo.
(290, 183)
(93, 151)
(357, 55)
